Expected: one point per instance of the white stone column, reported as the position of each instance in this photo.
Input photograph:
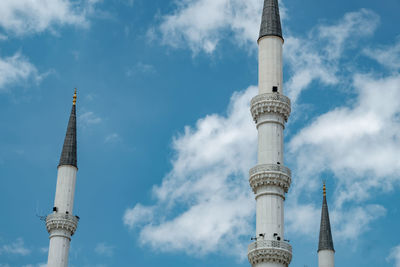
(62, 224)
(270, 179)
(326, 258)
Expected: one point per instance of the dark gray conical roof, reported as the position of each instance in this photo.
(68, 154)
(325, 233)
(271, 21)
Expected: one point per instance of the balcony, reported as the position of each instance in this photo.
(270, 251)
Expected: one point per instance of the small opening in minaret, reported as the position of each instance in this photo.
(274, 89)
(55, 209)
(66, 212)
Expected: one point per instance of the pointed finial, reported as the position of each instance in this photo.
(74, 100)
(324, 189)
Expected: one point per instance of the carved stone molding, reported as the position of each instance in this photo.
(270, 251)
(270, 102)
(270, 174)
(58, 221)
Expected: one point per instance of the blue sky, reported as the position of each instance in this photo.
(165, 137)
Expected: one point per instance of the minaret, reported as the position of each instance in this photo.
(326, 252)
(61, 224)
(270, 179)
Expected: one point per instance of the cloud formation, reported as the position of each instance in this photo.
(17, 248)
(395, 256)
(17, 69)
(202, 24)
(207, 185)
(23, 17)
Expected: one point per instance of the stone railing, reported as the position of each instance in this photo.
(62, 221)
(270, 102)
(270, 167)
(270, 174)
(270, 251)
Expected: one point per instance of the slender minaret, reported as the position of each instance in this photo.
(326, 252)
(270, 179)
(61, 224)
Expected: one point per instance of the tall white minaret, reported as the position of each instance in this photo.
(270, 179)
(61, 224)
(326, 252)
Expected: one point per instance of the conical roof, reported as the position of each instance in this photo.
(325, 233)
(68, 154)
(271, 21)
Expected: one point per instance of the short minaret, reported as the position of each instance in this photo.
(270, 179)
(61, 224)
(326, 252)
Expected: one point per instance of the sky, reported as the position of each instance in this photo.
(165, 135)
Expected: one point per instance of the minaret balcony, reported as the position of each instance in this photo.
(57, 221)
(270, 174)
(270, 103)
(270, 251)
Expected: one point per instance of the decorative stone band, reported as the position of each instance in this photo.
(270, 102)
(270, 174)
(64, 221)
(270, 251)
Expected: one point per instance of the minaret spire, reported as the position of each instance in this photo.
(62, 224)
(68, 154)
(326, 250)
(271, 21)
(270, 179)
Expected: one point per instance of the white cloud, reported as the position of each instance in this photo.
(22, 17)
(17, 69)
(395, 256)
(112, 138)
(359, 144)
(317, 57)
(141, 68)
(202, 24)
(388, 56)
(207, 184)
(16, 248)
(104, 249)
(89, 118)
(138, 215)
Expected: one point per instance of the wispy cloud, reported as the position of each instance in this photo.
(201, 24)
(89, 118)
(388, 56)
(17, 248)
(104, 249)
(16, 70)
(112, 138)
(318, 57)
(140, 68)
(395, 256)
(22, 17)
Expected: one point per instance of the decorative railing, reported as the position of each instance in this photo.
(270, 167)
(270, 251)
(270, 102)
(262, 244)
(62, 221)
(270, 97)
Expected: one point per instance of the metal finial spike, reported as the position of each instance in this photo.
(74, 100)
(324, 189)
